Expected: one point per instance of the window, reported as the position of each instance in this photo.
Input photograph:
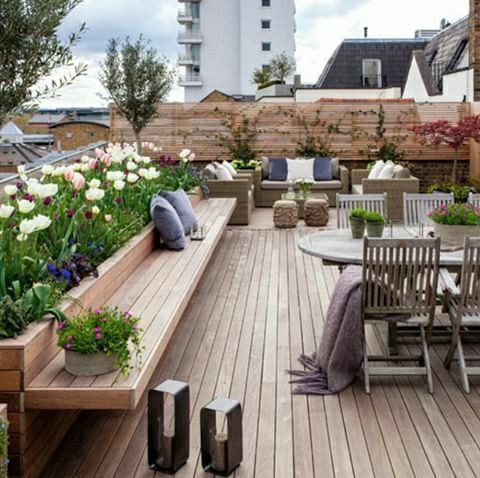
(372, 73)
(68, 135)
(266, 46)
(266, 3)
(266, 24)
(92, 134)
(195, 11)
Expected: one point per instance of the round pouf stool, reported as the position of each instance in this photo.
(316, 212)
(285, 214)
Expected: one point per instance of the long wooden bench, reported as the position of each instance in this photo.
(158, 291)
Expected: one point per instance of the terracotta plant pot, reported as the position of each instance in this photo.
(453, 237)
(375, 229)
(357, 226)
(89, 364)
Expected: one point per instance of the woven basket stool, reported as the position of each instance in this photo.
(316, 212)
(285, 214)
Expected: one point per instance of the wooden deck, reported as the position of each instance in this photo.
(260, 304)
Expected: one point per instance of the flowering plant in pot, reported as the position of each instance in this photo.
(304, 186)
(375, 223)
(453, 222)
(100, 341)
(357, 223)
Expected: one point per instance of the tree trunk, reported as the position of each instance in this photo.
(138, 141)
(454, 170)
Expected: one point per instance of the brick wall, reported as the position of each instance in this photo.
(74, 135)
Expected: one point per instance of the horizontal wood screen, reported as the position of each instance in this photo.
(282, 126)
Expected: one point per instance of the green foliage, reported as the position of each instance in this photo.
(358, 213)
(239, 141)
(31, 49)
(460, 191)
(390, 152)
(105, 330)
(456, 215)
(136, 79)
(3, 448)
(261, 76)
(282, 67)
(268, 83)
(313, 147)
(374, 217)
(253, 164)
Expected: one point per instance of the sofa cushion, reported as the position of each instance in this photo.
(167, 223)
(357, 189)
(387, 172)
(401, 173)
(277, 169)
(376, 170)
(209, 171)
(322, 169)
(223, 174)
(335, 163)
(230, 168)
(264, 167)
(300, 169)
(316, 186)
(182, 205)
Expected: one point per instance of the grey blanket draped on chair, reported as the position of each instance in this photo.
(334, 366)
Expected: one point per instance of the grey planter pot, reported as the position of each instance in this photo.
(89, 364)
(357, 227)
(375, 229)
(453, 237)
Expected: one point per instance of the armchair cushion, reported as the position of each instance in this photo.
(300, 169)
(335, 163)
(230, 168)
(183, 207)
(223, 174)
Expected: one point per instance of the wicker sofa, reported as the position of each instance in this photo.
(267, 192)
(242, 189)
(394, 188)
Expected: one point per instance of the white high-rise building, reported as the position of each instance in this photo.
(225, 40)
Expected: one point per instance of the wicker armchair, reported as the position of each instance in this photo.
(240, 188)
(394, 188)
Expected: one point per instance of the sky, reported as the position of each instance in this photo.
(321, 26)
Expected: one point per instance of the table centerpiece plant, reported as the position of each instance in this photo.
(100, 341)
(304, 186)
(375, 223)
(357, 223)
(453, 222)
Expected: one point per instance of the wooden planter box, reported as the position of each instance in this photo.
(34, 435)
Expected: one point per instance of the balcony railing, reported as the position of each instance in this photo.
(189, 37)
(190, 79)
(185, 15)
(187, 59)
(373, 81)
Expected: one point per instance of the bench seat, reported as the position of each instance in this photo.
(158, 291)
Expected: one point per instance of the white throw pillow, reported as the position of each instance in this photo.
(376, 170)
(223, 174)
(230, 168)
(387, 172)
(300, 169)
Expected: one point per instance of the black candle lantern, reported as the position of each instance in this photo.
(197, 233)
(222, 452)
(168, 436)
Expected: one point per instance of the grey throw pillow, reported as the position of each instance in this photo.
(335, 163)
(322, 169)
(182, 205)
(264, 167)
(209, 171)
(403, 173)
(277, 169)
(167, 223)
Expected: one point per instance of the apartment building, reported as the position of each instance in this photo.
(223, 41)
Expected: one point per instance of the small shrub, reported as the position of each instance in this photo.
(460, 191)
(374, 217)
(266, 84)
(3, 448)
(358, 213)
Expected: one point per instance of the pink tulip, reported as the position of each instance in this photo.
(98, 152)
(191, 157)
(92, 163)
(108, 217)
(78, 181)
(69, 175)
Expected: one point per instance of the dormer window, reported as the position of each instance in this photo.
(372, 73)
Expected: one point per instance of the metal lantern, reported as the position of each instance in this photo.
(222, 452)
(168, 443)
(197, 233)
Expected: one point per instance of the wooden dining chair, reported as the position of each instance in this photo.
(474, 200)
(463, 305)
(399, 285)
(417, 206)
(369, 202)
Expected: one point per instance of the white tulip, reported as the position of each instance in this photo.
(85, 159)
(119, 185)
(6, 211)
(21, 171)
(59, 171)
(95, 183)
(84, 168)
(115, 176)
(95, 210)
(46, 190)
(47, 170)
(27, 226)
(146, 160)
(132, 178)
(184, 154)
(25, 206)
(94, 194)
(131, 166)
(10, 190)
(41, 222)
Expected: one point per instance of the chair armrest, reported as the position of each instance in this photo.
(344, 177)
(248, 176)
(447, 283)
(236, 188)
(357, 175)
(401, 185)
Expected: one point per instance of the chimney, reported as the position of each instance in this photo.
(297, 81)
(365, 32)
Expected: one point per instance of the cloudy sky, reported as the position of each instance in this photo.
(321, 26)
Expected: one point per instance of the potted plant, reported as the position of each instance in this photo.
(357, 223)
(99, 341)
(453, 222)
(304, 186)
(375, 224)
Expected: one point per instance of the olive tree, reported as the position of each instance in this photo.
(282, 67)
(31, 49)
(136, 79)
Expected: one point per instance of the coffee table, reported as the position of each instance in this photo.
(300, 199)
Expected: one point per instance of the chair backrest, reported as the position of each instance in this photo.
(400, 276)
(470, 277)
(417, 206)
(369, 202)
(474, 200)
